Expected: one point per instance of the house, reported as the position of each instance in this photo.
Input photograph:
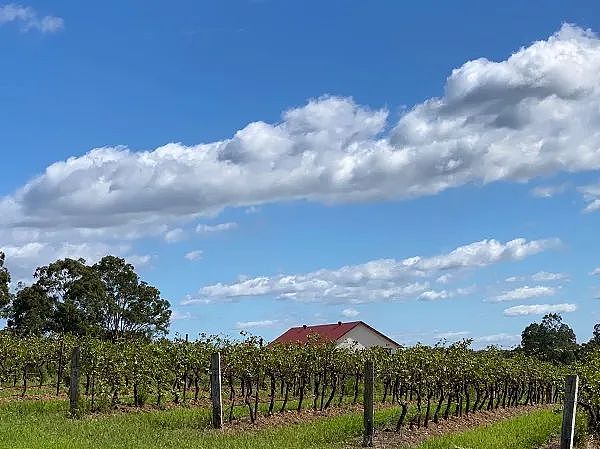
(356, 334)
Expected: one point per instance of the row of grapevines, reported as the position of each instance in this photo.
(439, 381)
(588, 369)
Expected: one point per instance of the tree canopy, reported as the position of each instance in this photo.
(4, 282)
(131, 306)
(550, 340)
(596, 335)
(107, 300)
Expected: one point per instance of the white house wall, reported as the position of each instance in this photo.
(365, 338)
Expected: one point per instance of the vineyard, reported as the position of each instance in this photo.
(426, 384)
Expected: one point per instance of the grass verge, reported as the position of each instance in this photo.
(43, 424)
(528, 431)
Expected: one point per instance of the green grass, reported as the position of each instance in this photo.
(44, 424)
(36, 425)
(528, 431)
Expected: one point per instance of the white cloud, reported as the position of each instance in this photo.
(499, 338)
(178, 316)
(595, 272)
(540, 276)
(24, 258)
(530, 115)
(221, 227)
(377, 280)
(525, 292)
(539, 309)
(444, 278)
(252, 210)
(29, 19)
(194, 255)
(591, 195)
(139, 260)
(544, 276)
(254, 324)
(433, 295)
(350, 313)
(452, 335)
(548, 191)
(174, 235)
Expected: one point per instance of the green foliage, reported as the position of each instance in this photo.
(550, 340)
(588, 369)
(107, 300)
(131, 307)
(596, 335)
(4, 283)
(31, 311)
(77, 296)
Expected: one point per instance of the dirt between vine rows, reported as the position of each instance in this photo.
(590, 444)
(288, 417)
(388, 439)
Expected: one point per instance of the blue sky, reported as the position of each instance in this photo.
(430, 168)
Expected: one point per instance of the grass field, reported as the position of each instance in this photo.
(33, 425)
(43, 424)
(528, 431)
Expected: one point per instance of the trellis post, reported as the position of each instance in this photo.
(368, 403)
(569, 411)
(215, 390)
(74, 382)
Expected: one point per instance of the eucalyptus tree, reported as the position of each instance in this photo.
(30, 312)
(596, 334)
(550, 340)
(77, 296)
(4, 283)
(131, 307)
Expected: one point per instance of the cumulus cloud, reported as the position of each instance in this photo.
(350, 313)
(255, 324)
(210, 229)
(452, 335)
(525, 292)
(591, 196)
(194, 255)
(29, 19)
(178, 316)
(23, 259)
(540, 276)
(174, 235)
(499, 338)
(434, 295)
(377, 280)
(532, 114)
(548, 191)
(539, 309)
(595, 272)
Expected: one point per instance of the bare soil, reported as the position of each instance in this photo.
(592, 443)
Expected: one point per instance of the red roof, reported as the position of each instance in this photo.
(327, 332)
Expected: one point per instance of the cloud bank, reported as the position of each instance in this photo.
(29, 19)
(539, 309)
(525, 292)
(532, 114)
(377, 280)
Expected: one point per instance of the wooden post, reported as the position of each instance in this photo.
(570, 408)
(368, 402)
(74, 382)
(59, 368)
(215, 390)
(185, 374)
